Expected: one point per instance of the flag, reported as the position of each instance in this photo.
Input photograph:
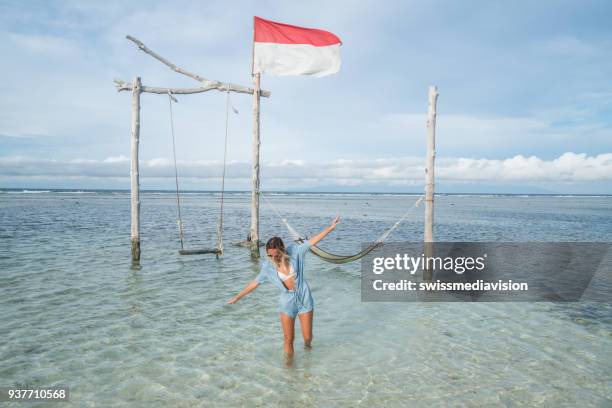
(283, 49)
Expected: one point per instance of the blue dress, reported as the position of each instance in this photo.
(299, 300)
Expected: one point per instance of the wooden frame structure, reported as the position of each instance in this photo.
(136, 88)
(252, 240)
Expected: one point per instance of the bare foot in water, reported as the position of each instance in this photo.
(288, 360)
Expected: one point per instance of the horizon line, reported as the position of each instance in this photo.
(52, 189)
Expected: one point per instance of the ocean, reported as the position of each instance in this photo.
(77, 312)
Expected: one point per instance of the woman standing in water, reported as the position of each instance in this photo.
(285, 269)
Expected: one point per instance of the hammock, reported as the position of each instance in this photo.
(342, 259)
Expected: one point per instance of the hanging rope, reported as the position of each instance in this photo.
(219, 250)
(386, 234)
(220, 226)
(294, 234)
(340, 259)
(178, 199)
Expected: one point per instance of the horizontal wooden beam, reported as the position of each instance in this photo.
(207, 83)
(125, 86)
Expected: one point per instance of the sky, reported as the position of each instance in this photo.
(525, 101)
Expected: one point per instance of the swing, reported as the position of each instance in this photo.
(219, 248)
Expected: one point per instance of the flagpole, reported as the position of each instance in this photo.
(253, 236)
(253, 51)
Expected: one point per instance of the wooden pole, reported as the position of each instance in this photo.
(253, 236)
(134, 176)
(429, 169)
(429, 173)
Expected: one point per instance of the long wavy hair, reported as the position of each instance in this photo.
(278, 244)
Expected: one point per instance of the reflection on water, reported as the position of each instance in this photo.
(77, 312)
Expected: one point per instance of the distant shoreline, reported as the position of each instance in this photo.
(26, 190)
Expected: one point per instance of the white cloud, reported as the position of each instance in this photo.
(569, 167)
(116, 159)
(491, 105)
(44, 45)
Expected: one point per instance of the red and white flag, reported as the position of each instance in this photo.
(283, 49)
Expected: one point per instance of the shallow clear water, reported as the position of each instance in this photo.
(76, 312)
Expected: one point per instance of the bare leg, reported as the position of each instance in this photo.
(288, 325)
(306, 325)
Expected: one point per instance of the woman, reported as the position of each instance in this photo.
(285, 269)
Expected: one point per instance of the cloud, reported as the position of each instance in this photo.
(47, 45)
(569, 167)
(505, 112)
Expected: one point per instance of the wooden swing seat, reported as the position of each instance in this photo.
(199, 251)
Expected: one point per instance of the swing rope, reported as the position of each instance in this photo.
(219, 249)
(178, 199)
(220, 226)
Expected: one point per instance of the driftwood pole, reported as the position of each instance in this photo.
(134, 176)
(253, 236)
(206, 84)
(429, 173)
(429, 169)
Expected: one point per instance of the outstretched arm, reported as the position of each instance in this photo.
(248, 289)
(314, 240)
